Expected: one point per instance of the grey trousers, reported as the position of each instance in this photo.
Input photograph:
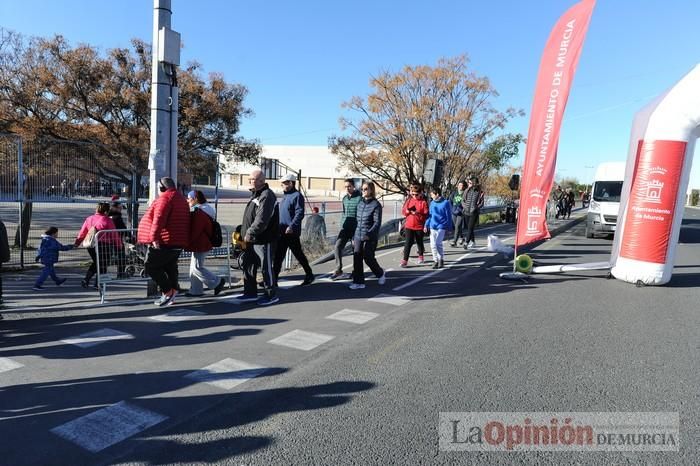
(200, 275)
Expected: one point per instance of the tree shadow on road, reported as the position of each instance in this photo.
(30, 411)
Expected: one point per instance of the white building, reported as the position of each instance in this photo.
(321, 174)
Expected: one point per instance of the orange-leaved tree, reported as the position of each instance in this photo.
(444, 111)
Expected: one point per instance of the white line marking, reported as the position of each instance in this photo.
(177, 315)
(227, 374)
(7, 364)
(105, 427)
(87, 340)
(431, 274)
(354, 317)
(390, 251)
(285, 284)
(390, 299)
(300, 339)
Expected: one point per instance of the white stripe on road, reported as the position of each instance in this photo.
(105, 427)
(7, 364)
(87, 340)
(177, 316)
(299, 339)
(227, 374)
(354, 317)
(435, 272)
(390, 299)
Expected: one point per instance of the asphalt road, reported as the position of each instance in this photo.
(361, 393)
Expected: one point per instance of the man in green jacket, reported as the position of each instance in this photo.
(348, 225)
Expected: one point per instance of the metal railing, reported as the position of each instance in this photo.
(129, 258)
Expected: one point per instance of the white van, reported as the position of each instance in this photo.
(605, 198)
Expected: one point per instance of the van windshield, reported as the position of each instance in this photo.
(607, 191)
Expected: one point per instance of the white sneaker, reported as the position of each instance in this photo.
(471, 245)
(382, 280)
(357, 286)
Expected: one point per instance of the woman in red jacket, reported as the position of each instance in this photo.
(201, 228)
(415, 209)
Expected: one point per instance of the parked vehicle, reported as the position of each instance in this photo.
(605, 199)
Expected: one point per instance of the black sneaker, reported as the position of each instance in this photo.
(38, 288)
(308, 280)
(219, 287)
(61, 281)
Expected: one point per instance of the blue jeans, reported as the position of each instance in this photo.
(46, 272)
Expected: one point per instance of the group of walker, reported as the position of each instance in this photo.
(269, 228)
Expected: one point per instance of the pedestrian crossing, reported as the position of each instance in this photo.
(110, 425)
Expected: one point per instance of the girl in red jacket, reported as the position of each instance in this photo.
(415, 209)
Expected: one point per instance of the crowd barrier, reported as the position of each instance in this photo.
(123, 261)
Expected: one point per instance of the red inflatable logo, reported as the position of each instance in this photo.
(652, 202)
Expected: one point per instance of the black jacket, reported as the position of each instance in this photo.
(472, 201)
(261, 217)
(369, 219)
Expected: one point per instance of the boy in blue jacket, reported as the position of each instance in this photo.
(439, 222)
(48, 255)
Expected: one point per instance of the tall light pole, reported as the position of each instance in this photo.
(162, 159)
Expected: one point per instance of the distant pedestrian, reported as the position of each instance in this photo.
(439, 222)
(291, 213)
(348, 224)
(472, 202)
(569, 201)
(107, 243)
(260, 230)
(415, 211)
(201, 230)
(48, 256)
(165, 228)
(366, 238)
(457, 216)
(4, 255)
(315, 228)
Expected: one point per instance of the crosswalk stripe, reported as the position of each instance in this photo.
(177, 315)
(89, 339)
(7, 364)
(354, 317)
(108, 426)
(390, 299)
(227, 373)
(300, 339)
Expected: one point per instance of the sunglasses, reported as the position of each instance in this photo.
(365, 189)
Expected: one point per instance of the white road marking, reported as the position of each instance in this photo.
(87, 340)
(7, 364)
(227, 374)
(285, 284)
(300, 339)
(390, 299)
(177, 315)
(354, 317)
(108, 426)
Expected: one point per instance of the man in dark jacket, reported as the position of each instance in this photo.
(291, 214)
(260, 230)
(4, 255)
(347, 230)
(165, 228)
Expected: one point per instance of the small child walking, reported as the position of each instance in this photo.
(48, 255)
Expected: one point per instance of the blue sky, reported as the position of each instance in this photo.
(301, 59)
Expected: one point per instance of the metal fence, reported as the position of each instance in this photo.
(48, 182)
(120, 261)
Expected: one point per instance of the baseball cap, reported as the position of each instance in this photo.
(192, 195)
(289, 177)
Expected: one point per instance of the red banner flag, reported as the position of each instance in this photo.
(557, 68)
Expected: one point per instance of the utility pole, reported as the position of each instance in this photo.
(162, 159)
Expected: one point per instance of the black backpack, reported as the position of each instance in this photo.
(217, 238)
